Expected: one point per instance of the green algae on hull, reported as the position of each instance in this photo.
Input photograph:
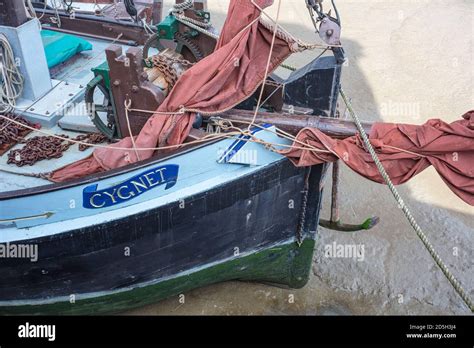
(286, 264)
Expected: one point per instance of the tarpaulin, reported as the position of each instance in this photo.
(218, 82)
(60, 47)
(404, 150)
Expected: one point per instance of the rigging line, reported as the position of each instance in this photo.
(57, 19)
(208, 137)
(292, 68)
(180, 112)
(279, 132)
(31, 175)
(282, 86)
(267, 68)
(127, 104)
(237, 135)
(29, 8)
(419, 232)
(286, 33)
(271, 146)
(44, 10)
(147, 28)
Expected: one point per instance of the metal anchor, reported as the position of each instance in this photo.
(335, 223)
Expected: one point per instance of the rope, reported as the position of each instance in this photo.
(178, 12)
(31, 13)
(298, 44)
(454, 282)
(279, 132)
(30, 175)
(147, 28)
(208, 137)
(293, 68)
(127, 104)
(190, 23)
(11, 77)
(180, 112)
(288, 67)
(267, 68)
(282, 86)
(183, 6)
(282, 33)
(44, 10)
(236, 134)
(57, 19)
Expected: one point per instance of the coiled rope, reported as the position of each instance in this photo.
(419, 232)
(11, 78)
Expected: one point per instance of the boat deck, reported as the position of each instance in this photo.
(76, 71)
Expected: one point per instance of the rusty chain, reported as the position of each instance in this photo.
(38, 148)
(41, 148)
(92, 138)
(165, 64)
(11, 133)
(162, 64)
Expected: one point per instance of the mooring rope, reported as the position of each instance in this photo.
(424, 239)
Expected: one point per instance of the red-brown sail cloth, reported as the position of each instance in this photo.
(404, 150)
(218, 82)
(237, 68)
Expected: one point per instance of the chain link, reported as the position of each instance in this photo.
(41, 148)
(12, 133)
(38, 148)
(166, 64)
(92, 138)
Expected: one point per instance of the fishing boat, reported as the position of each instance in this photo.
(223, 209)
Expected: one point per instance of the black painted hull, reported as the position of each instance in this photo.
(255, 222)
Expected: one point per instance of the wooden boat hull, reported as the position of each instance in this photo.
(224, 210)
(245, 229)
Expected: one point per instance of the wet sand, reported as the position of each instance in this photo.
(409, 61)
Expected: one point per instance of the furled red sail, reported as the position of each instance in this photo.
(404, 150)
(218, 82)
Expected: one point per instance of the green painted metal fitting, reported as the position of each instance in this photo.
(104, 71)
(168, 27)
(204, 15)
